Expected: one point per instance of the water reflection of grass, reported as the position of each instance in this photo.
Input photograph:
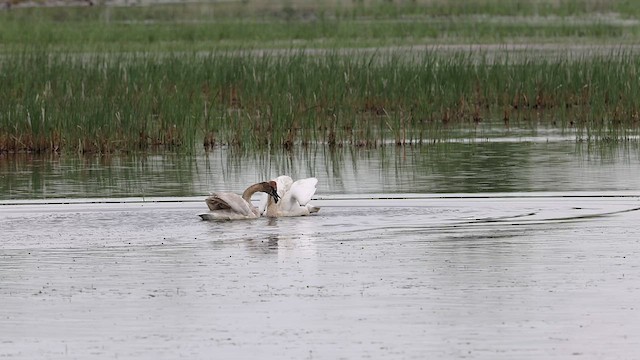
(47, 176)
(106, 103)
(453, 167)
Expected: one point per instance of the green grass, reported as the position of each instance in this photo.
(103, 79)
(285, 24)
(107, 103)
(294, 10)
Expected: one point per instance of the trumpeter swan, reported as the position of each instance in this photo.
(231, 206)
(294, 198)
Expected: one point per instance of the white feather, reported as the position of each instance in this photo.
(294, 198)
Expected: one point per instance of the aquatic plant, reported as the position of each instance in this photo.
(105, 103)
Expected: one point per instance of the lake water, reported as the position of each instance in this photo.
(500, 165)
(484, 250)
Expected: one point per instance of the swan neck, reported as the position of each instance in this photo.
(248, 193)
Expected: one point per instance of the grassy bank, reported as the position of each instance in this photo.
(107, 103)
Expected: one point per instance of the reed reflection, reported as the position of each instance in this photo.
(481, 167)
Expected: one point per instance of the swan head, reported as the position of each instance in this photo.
(272, 189)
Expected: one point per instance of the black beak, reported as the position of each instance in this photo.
(275, 195)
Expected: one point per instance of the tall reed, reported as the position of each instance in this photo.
(106, 103)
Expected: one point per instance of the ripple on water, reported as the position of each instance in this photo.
(532, 276)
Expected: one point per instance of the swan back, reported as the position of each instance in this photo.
(230, 202)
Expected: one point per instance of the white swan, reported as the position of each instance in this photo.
(231, 206)
(294, 198)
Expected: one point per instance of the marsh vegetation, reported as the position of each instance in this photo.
(263, 74)
(105, 103)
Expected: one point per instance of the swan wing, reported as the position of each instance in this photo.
(229, 201)
(299, 194)
(284, 183)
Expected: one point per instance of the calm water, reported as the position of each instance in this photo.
(484, 251)
(488, 167)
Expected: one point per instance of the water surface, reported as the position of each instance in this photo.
(501, 165)
(490, 250)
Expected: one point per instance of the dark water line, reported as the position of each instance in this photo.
(338, 199)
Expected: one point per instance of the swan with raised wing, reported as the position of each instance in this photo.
(231, 206)
(294, 198)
